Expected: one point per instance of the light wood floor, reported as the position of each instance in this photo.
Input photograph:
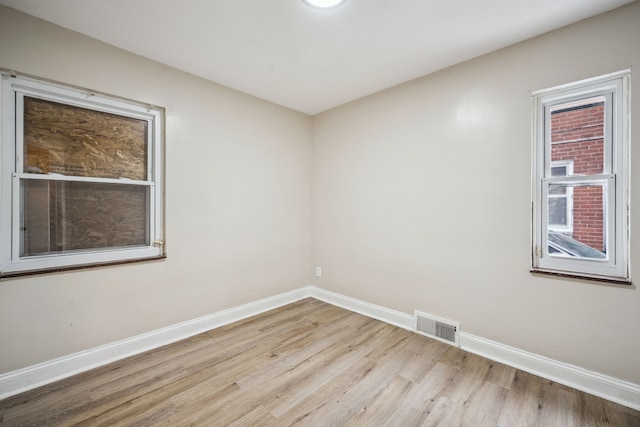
(313, 364)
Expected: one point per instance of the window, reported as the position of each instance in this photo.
(580, 179)
(81, 178)
(561, 199)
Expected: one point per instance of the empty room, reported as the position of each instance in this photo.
(356, 212)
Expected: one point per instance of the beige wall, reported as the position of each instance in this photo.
(421, 200)
(238, 220)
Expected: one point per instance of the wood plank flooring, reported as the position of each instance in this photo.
(309, 364)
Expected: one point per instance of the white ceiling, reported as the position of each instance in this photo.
(306, 59)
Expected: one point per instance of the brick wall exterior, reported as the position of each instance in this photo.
(577, 134)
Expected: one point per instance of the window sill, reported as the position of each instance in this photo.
(612, 280)
(14, 274)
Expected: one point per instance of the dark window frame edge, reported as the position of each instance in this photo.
(595, 278)
(18, 274)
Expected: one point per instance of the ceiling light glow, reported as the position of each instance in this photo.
(324, 4)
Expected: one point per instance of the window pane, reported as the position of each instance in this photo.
(587, 237)
(577, 134)
(557, 211)
(60, 138)
(63, 216)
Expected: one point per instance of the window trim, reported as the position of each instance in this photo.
(12, 92)
(615, 175)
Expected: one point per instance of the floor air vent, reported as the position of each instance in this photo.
(435, 327)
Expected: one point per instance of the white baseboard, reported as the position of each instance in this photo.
(613, 389)
(15, 382)
(622, 392)
(393, 317)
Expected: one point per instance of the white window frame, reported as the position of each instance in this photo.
(12, 92)
(568, 195)
(615, 177)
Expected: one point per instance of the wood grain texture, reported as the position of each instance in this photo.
(69, 140)
(62, 216)
(309, 364)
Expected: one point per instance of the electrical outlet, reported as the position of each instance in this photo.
(318, 271)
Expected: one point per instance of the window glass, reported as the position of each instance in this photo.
(577, 134)
(560, 203)
(588, 216)
(558, 207)
(64, 216)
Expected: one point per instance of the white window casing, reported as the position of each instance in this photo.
(13, 91)
(613, 180)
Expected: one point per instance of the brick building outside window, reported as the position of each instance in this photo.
(577, 148)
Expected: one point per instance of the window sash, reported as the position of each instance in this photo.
(19, 108)
(553, 262)
(19, 178)
(607, 92)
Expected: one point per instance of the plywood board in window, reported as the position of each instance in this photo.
(62, 216)
(69, 140)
